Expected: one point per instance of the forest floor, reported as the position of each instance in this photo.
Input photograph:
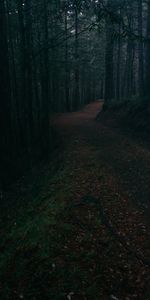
(80, 228)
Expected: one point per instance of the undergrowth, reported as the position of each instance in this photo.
(131, 112)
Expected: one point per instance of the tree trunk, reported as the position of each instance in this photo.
(29, 79)
(66, 64)
(147, 75)
(45, 88)
(109, 65)
(140, 49)
(5, 98)
(118, 65)
(76, 94)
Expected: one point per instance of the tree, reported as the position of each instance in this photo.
(140, 46)
(109, 56)
(147, 72)
(6, 140)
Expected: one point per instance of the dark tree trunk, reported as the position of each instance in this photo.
(128, 82)
(140, 49)
(66, 64)
(45, 88)
(109, 65)
(5, 97)
(129, 69)
(76, 94)
(29, 79)
(23, 77)
(147, 75)
(102, 89)
(118, 65)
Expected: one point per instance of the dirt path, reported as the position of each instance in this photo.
(127, 160)
(83, 233)
(106, 164)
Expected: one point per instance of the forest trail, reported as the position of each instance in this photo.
(85, 235)
(124, 157)
(108, 165)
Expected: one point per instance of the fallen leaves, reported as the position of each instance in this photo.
(83, 260)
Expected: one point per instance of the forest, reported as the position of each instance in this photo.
(74, 149)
